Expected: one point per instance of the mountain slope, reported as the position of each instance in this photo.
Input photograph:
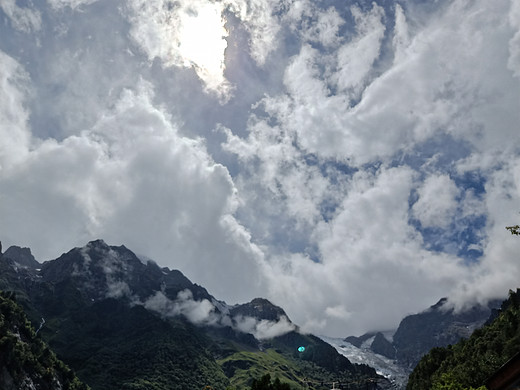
(114, 346)
(26, 362)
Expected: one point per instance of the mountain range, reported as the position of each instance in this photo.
(395, 354)
(121, 322)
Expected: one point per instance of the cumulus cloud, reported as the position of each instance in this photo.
(263, 329)
(437, 201)
(355, 59)
(204, 312)
(130, 176)
(424, 95)
(375, 178)
(198, 312)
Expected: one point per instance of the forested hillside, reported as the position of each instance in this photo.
(470, 362)
(26, 362)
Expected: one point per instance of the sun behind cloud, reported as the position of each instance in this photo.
(189, 34)
(202, 42)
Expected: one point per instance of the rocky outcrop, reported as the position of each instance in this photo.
(382, 346)
(260, 309)
(438, 326)
(22, 257)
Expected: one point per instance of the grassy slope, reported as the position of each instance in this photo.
(317, 367)
(244, 366)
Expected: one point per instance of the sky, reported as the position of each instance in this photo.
(351, 161)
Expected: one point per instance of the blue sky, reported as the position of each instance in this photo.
(351, 161)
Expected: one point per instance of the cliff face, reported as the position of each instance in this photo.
(437, 326)
(471, 362)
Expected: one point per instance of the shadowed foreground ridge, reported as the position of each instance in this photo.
(26, 362)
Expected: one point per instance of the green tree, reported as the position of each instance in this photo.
(265, 383)
(24, 356)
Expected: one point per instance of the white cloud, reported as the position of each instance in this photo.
(197, 312)
(355, 59)
(204, 312)
(186, 34)
(192, 34)
(338, 311)
(59, 4)
(326, 29)
(14, 133)
(313, 24)
(437, 201)
(281, 170)
(437, 87)
(369, 256)
(514, 43)
(118, 289)
(368, 249)
(133, 179)
(401, 39)
(23, 19)
(316, 215)
(263, 329)
(498, 269)
(260, 21)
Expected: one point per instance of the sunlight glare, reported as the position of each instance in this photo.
(202, 42)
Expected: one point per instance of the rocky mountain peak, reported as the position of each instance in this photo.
(21, 257)
(102, 271)
(261, 309)
(95, 266)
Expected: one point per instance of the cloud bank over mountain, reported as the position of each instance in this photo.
(352, 162)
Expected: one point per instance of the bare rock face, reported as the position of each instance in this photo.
(101, 271)
(382, 346)
(259, 308)
(21, 256)
(437, 326)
